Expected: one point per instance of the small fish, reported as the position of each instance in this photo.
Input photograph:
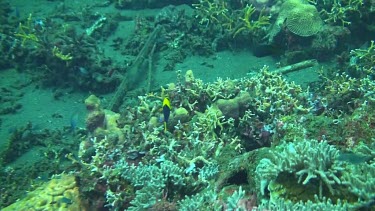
(353, 158)
(17, 12)
(83, 71)
(74, 121)
(65, 200)
(166, 111)
(43, 177)
(262, 50)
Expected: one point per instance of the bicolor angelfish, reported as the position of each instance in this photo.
(166, 111)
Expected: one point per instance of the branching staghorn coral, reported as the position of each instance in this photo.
(363, 60)
(318, 204)
(26, 32)
(214, 12)
(340, 10)
(346, 93)
(222, 89)
(361, 181)
(278, 96)
(150, 180)
(209, 200)
(210, 121)
(360, 178)
(341, 84)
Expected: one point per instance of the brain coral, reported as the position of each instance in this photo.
(304, 20)
(59, 194)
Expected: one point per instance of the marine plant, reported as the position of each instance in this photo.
(249, 24)
(26, 32)
(64, 57)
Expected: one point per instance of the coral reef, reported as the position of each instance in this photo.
(207, 157)
(251, 25)
(257, 142)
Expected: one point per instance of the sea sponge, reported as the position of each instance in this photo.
(59, 194)
(181, 115)
(233, 107)
(92, 103)
(304, 20)
(110, 128)
(95, 120)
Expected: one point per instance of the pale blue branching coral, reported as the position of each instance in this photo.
(361, 181)
(208, 171)
(198, 201)
(209, 200)
(142, 174)
(318, 204)
(307, 159)
(233, 200)
(145, 198)
(360, 178)
(150, 180)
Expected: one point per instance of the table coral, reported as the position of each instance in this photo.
(302, 19)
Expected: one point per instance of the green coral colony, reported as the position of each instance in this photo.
(264, 141)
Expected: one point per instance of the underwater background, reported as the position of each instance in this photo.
(187, 105)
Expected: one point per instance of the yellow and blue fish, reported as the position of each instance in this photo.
(166, 111)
